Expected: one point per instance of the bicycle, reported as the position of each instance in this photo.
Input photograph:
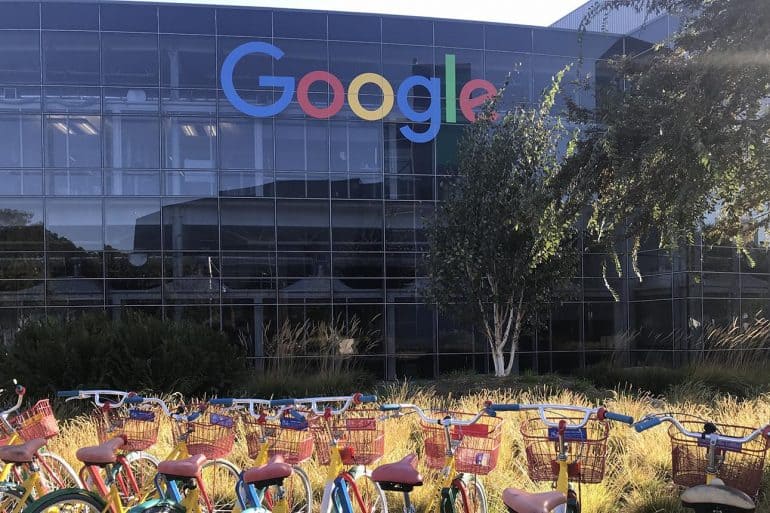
(278, 444)
(560, 448)
(29, 470)
(720, 472)
(354, 440)
(462, 446)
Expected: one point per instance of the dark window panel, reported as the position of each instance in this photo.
(130, 59)
(469, 65)
(402, 61)
(306, 25)
(73, 141)
(73, 182)
(70, 16)
(514, 67)
(20, 58)
(74, 223)
(249, 264)
(302, 145)
(19, 15)
(303, 225)
(356, 147)
(652, 323)
(507, 38)
(305, 264)
(131, 142)
(301, 185)
(189, 293)
(409, 187)
(24, 265)
(447, 143)
(460, 34)
(356, 185)
(190, 143)
(21, 224)
(187, 61)
(186, 19)
(244, 22)
(190, 224)
(120, 100)
(246, 184)
(20, 144)
(72, 99)
(404, 156)
(131, 182)
(354, 27)
(129, 17)
(71, 58)
(190, 183)
(132, 225)
(246, 143)
(357, 226)
(407, 30)
(74, 264)
(357, 264)
(247, 224)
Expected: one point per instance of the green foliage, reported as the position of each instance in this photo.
(278, 384)
(136, 352)
(502, 244)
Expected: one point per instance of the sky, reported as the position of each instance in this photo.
(523, 12)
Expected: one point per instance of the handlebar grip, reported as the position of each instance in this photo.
(68, 393)
(368, 398)
(618, 417)
(224, 401)
(282, 402)
(133, 399)
(390, 407)
(645, 424)
(505, 407)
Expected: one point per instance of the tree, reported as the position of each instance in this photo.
(502, 244)
(688, 137)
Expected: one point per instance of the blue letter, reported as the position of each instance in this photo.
(432, 113)
(259, 111)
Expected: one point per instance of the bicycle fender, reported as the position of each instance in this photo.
(158, 505)
(66, 491)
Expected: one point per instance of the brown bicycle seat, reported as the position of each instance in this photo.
(717, 493)
(525, 502)
(22, 453)
(188, 467)
(102, 454)
(275, 469)
(401, 472)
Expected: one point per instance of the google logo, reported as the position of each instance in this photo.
(431, 115)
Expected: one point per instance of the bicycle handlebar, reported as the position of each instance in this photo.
(601, 413)
(312, 403)
(653, 420)
(121, 397)
(19, 390)
(444, 421)
(232, 402)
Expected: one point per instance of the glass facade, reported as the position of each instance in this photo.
(129, 180)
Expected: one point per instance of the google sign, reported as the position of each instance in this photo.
(431, 115)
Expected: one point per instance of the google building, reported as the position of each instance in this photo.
(252, 168)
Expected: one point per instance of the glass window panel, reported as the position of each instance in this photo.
(407, 31)
(303, 264)
(409, 187)
(354, 27)
(460, 34)
(190, 183)
(302, 185)
(356, 147)
(71, 57)
(508, 38)
(720, 312)
(190, 143)
(414, 328)
(246, 183)
(306, 25)
(246, 74)
(20, 266)
(21, 182)
(70, 16)
(357, 264)
(302, 145)
(75, 222)
(186, 19)
(21, 224)
(19, 15)
(246, 143)
(20, 144)
(20, 58)
(130, 59)
(73, 182)
(250, 265)
(498, 67)
(264, 97)
(303, 225)
(74, 292)
(400, 225)
(244, 22)
(136, 100)
(302, 57)
(81, 100)
(402, 61)
(362, 185)
(129, 17)
(544, 68)
(447, 143)
(131, 142)
(190, 224)
(723, 259)
(657, 286)
(20, 99)
(74, 264)
(73, 141)
(132, 225)
(720, 284)
(189, 101)
(402, 156)
(357, 225)
(247, 224)
(348, 60)
(188, 61)
(469, 65)
(191, 264)
(131, 182)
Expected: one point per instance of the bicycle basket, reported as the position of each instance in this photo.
(740, 467)
(586, 450)
(478, 445)
(360, 437)
(36, 422)
(289, 438)
(211, 434)
(137, 426)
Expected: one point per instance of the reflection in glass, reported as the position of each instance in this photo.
(303, 225)
(190, 183)
(20, 58)
(73, 141)
(132, 225)
(187, 61)
(190, 143)
(129, 100)
(21, 224)
(73, 99)
(131, 182)
(247, 224)
(403, 156)
(130, 59)
(190, 224)
(74, 224)
(357, 226)
(21, 182)
(246, 143)
(73, 182)
(71, 58)
(75, 264)
(129, 17)
(131, 142)
(20, 144)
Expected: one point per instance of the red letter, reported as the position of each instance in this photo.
(338, 94)
(467, 104)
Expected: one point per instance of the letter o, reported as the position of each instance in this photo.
(303, 97)
(355, 103)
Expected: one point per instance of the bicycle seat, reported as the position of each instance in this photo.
(22, 453)
(520, 501)
(102, 454)
(400, 476)
(187, 467)
(272, 472)
(716, 493)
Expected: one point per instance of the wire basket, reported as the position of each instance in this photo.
(739, 465)
(137, 426)
(586, 450)
(6, 432)
(36, 422)
(211, 434)
(289, 437)
(360, 437)
(477, 446)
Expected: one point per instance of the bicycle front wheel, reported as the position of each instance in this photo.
(296, 489)
(68, 500)
(471, 496)
(56, 472)
(371, 495)
(220, 478)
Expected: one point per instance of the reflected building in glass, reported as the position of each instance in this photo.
(129, 180)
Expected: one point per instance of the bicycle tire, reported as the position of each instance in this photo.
(144, 467)
(477, 498)
(62, 473)
(371, 493)
(300, 494)
(11, 495)
(220, 478)
(63, 500)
